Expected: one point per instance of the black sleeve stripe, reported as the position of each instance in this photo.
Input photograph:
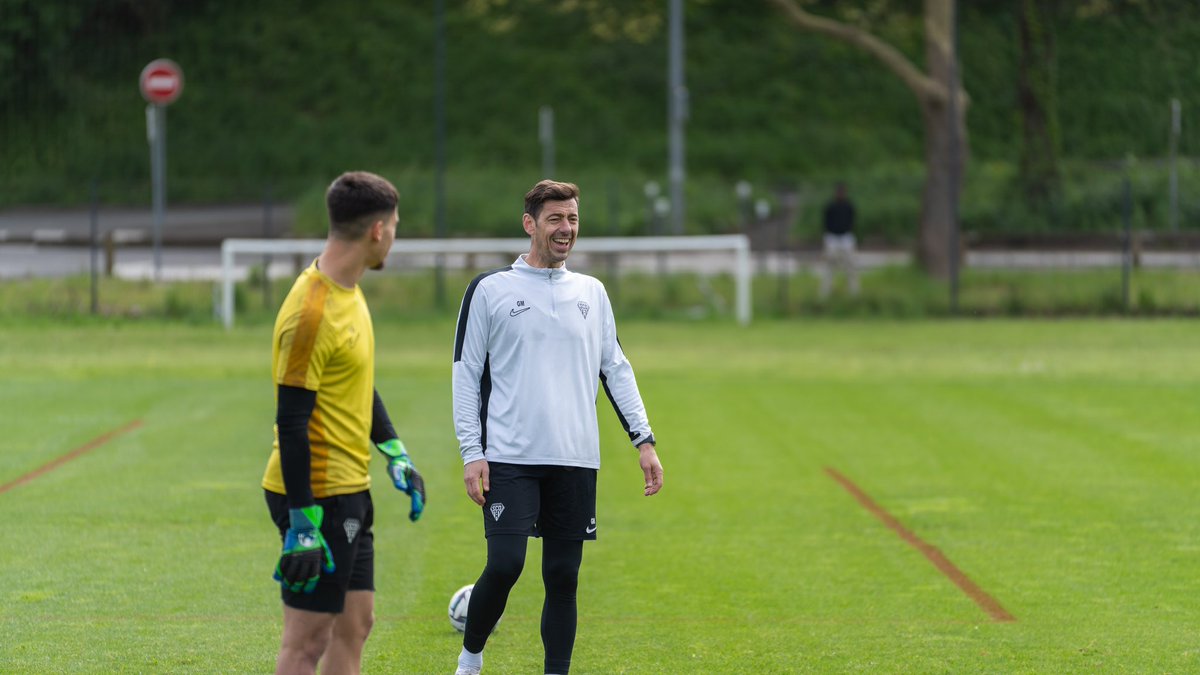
(613, 401)
(485, 393)
(465, 310)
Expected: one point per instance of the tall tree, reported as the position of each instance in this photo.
(1038, 174)
(945, 153)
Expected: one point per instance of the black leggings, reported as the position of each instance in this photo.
(560, 574)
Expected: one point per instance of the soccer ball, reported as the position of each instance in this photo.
(458, 608)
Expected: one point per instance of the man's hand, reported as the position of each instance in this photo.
(651, 467)
(404, 475)
(477, 477)
(305, 552)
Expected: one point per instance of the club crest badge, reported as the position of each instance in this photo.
(351, 525)
(583, 308)
(497, 509)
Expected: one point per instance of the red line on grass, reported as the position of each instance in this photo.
(939, 560)
(54, 464)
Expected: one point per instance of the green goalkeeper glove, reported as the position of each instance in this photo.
(404, 475)
(305, 552)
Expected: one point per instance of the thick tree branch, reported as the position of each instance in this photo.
(923, 86)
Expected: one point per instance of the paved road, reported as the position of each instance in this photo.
(192, 224)
(54, 243)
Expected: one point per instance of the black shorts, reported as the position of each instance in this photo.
(347, 530)
(555, 502)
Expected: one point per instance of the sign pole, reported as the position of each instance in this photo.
(156, 132)
(161, 83)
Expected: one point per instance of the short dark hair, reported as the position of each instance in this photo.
(546, 191)
(356, 199)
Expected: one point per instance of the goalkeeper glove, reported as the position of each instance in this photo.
(305, 552)
(404, 475)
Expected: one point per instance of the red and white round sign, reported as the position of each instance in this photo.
(161, 81)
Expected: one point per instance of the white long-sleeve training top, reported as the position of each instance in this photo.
(531, 349)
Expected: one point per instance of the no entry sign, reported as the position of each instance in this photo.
(161, 81)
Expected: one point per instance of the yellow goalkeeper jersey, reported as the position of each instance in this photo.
(324, 342)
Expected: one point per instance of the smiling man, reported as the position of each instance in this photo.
(533, 344)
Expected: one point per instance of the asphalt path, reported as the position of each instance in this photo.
(185, 225)
(55, 243)
(45, 242)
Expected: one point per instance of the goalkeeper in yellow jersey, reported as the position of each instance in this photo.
(328, 419)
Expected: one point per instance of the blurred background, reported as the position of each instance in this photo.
(1069, 184)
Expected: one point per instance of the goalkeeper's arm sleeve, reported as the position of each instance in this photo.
(294, 406)
(381, 425)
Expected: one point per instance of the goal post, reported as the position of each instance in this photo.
(731, 254)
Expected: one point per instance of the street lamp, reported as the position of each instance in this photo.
(762, 209)
(651, 190)
(743, 190)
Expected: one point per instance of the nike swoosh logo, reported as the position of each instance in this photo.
(590, 529)
(514, 312)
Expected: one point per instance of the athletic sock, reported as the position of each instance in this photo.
(468, 659)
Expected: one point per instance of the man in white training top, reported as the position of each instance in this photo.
(534, 342)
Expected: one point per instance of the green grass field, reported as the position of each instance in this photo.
(1055, 463)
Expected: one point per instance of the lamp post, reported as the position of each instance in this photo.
(651, 190)
(762, 211)
(743, 190)
(662, 210)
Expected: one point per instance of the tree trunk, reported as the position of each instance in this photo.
(945, 152)
(1039, 176)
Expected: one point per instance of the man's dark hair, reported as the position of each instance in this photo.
(549, 191)
(356, 199)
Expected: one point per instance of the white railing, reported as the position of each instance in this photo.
(737, 245)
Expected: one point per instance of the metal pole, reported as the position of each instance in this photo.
(745, 279)
(546, 136)
(678, 104)
(439, 116)
(614, 219)
(952, 114)
(94, 268)
(1126, 242)
(227, 284)
(266, 264)
(1175, 128)
(156, 126)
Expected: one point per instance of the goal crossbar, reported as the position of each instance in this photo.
(737, 245)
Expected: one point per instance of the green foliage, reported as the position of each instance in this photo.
(289, 98)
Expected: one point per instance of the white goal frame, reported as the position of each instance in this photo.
(737, 245)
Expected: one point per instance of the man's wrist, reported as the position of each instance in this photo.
(305, 517)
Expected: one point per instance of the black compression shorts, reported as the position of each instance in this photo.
(555, 502)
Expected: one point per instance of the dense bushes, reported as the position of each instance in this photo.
(288, 98)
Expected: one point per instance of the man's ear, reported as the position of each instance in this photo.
(528, 223)
(377, 230)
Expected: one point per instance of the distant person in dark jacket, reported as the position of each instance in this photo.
(839, 242)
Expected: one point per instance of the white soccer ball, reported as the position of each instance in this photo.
(458, 608)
